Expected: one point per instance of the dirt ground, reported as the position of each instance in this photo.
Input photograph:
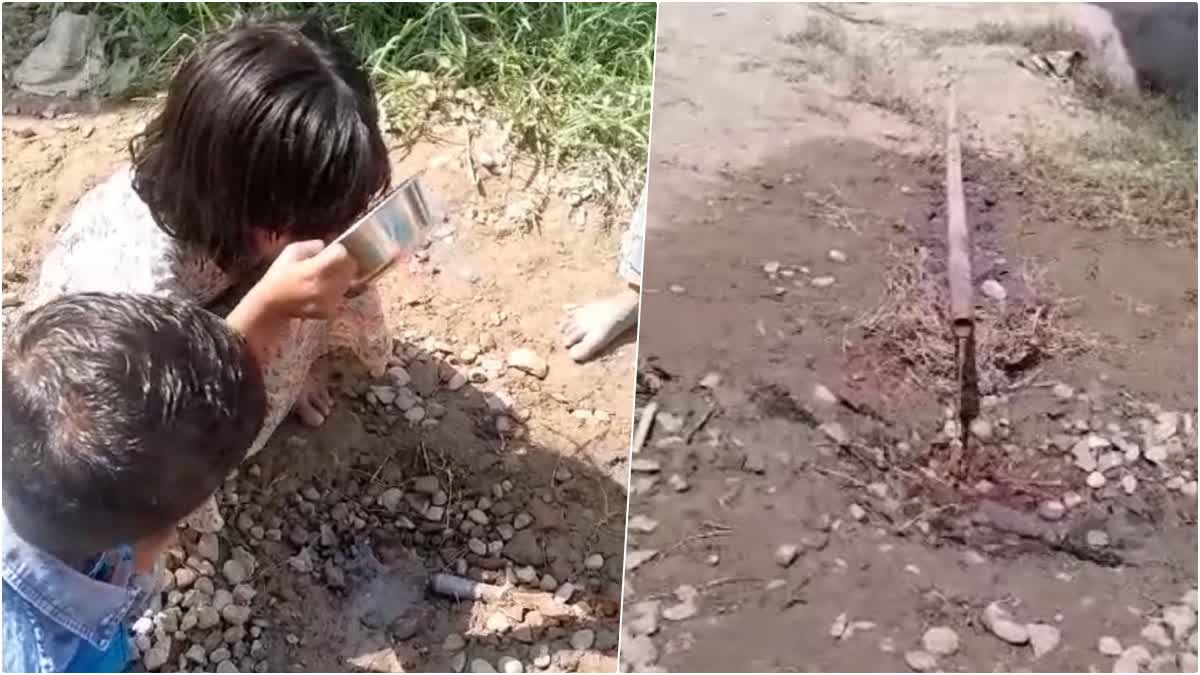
(783, 205)
(503, 443)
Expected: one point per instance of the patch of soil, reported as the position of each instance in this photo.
(505, 443)
(887, 542)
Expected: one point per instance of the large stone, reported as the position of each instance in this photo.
(68, 62)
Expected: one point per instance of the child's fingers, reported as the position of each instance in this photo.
(303, 250)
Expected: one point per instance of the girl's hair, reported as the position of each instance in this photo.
(269, 127)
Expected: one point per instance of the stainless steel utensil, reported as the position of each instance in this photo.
(396, 224)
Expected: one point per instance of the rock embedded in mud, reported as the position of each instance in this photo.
(206, 617)
(157, 656)
(637, 558)
(786, 554)
(678, 483)
(391, 498)
(645, 465)
(235, 615)
(992, 289)
(1096, 480)
(640, 524)
(185, 577)
(523, 549)
(1156, 454)
(1181, 619)
(1072, 500)
(510, 665)
(209, 547)
(1096, 538)
(822, 281)
(997, 620)
(594, 562)
(1052, 510)
(858, 513)
(301, 562)
(837, 256)
(548, 583)
(687, 608)
(981, 429)
(564, 593)
(1132, 660)
(920, 662)
(824, 396)
(235, 572)
(835, 432)
(1043, 637)
(583, 639)
(1109, 646)
(527, 361)
(481, 666)
(838, 628)
(940, 641)
(1063, 391)
(1085, 457)
(1129, 483)
(1156, 633)
(453, 643)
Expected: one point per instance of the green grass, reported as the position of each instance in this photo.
(572, 80)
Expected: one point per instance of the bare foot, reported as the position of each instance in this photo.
(315, 402)
(589, 328)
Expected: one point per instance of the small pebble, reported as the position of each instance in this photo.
(1000, 623)
(837, 256)
(858, 513)
(1109, 646)
(1052, 510)
(583, 639)
(1096, 538)
(527, 361)
(992, 289)
(1043, 637)
(822, 282)
(838, 628)
(594, 562)
(1096, 480)
(940, 641)
(786, 554)
(1129, 483)
(1156, 633)
(920, 662)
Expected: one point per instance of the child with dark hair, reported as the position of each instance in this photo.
(121, 415)
(269, 135)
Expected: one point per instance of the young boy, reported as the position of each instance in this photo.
(122, 414)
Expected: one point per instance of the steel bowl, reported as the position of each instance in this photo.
(398, 223)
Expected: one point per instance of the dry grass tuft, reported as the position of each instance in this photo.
(1012, 338)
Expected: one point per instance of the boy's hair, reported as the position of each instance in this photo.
(270, 127)
(122, 414)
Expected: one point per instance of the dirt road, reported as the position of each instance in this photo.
(800, 504)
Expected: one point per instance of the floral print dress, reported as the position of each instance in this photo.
(111, 244)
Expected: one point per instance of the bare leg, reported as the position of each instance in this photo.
(589, 328)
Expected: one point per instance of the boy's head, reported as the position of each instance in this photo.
(122, 414)
(269, 133)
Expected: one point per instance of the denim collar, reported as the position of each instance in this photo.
(91, 609)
